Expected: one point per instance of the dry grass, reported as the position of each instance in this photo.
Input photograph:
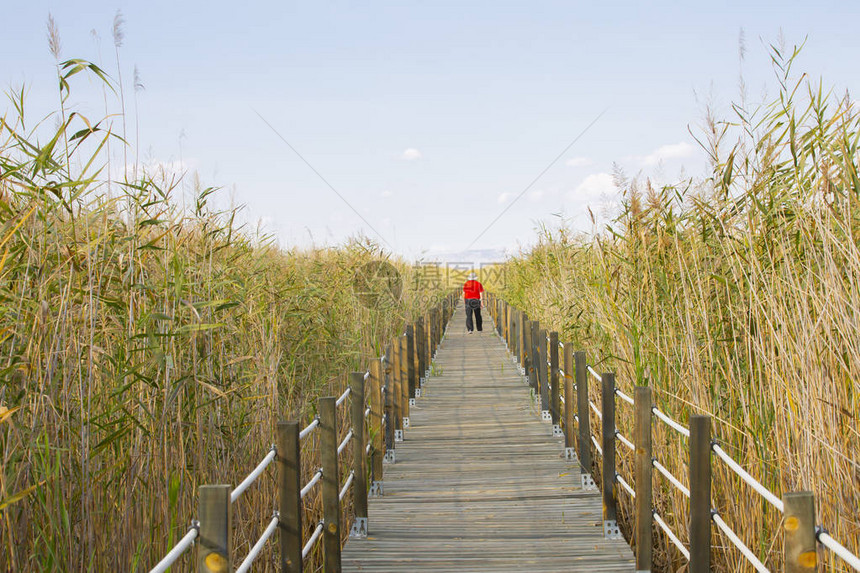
(145, 350)
(737, 297)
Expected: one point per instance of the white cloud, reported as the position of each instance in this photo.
(536, 195)
(595, 186)
(504, 197)
(385, 194)
(671, 151)
(410, 154)
(579, 162)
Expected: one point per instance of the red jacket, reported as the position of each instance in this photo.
(472, 289)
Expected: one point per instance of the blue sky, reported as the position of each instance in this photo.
(428, 117)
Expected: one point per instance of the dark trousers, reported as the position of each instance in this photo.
(473, 305)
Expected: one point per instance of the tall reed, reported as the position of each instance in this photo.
(145, 350)
(736, 296)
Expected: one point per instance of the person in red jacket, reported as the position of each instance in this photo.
(473, 295)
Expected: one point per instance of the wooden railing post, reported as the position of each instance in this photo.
(533, 356)
(359, 456)
(584, 426)
(800, 546)
(569, 403)
(376, 428)
(527, 351)
(404, 380)
(610, 499)
(413, 367)
(288, 464)
(397, 390)
(419, 350)
(543, 378)
(700, 493)
(389, 405)
(524, 340)
(642, 475)
(554, 396)
(434, 333)
(214, 546)
(330, 484)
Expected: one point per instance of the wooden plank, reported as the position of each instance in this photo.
(480, 485)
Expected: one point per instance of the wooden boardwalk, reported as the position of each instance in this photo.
(479, 483)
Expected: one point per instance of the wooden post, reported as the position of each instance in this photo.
(800, 546)
(410, 353)
(543, 378)
(214, 546)
(554, 400)
(524, 328)
(388, 403)
(700, 493)
(642, 439)
(584, 415)
(533, 356)
(419, 348)
(569, 403)
(404, 381)
(610, 499)
(397, 391)
(289, 497)
(327, 409)
(359, 456)
(376, 429)
(515, 347)
(527, 355)
(434, 331)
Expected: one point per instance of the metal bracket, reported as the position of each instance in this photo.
(412, 400)
(426, 374)
(556, 431)
(359, 528)
(545, 416)
(611, 529)
(389, 457)
(569, 454)
(587, 482)
(398, 435)
(418, 390)
(375, 488)
(405, 423)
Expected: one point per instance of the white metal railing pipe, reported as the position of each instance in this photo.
(184, 545)
(309, 428)
(751, 481)
(345, 441)
(672, 537)
(827, 541)
(596, 445)
(670, 422)
(737, 542)
(252, 477)
(310, 485)
(668, 475)
(624, 485)
(624, 440)
(345, 489)
(343, 397)
(258, 546)
(596, 410)
(312, 540)
(624, 397)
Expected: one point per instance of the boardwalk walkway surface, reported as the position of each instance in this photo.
(479, 484)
